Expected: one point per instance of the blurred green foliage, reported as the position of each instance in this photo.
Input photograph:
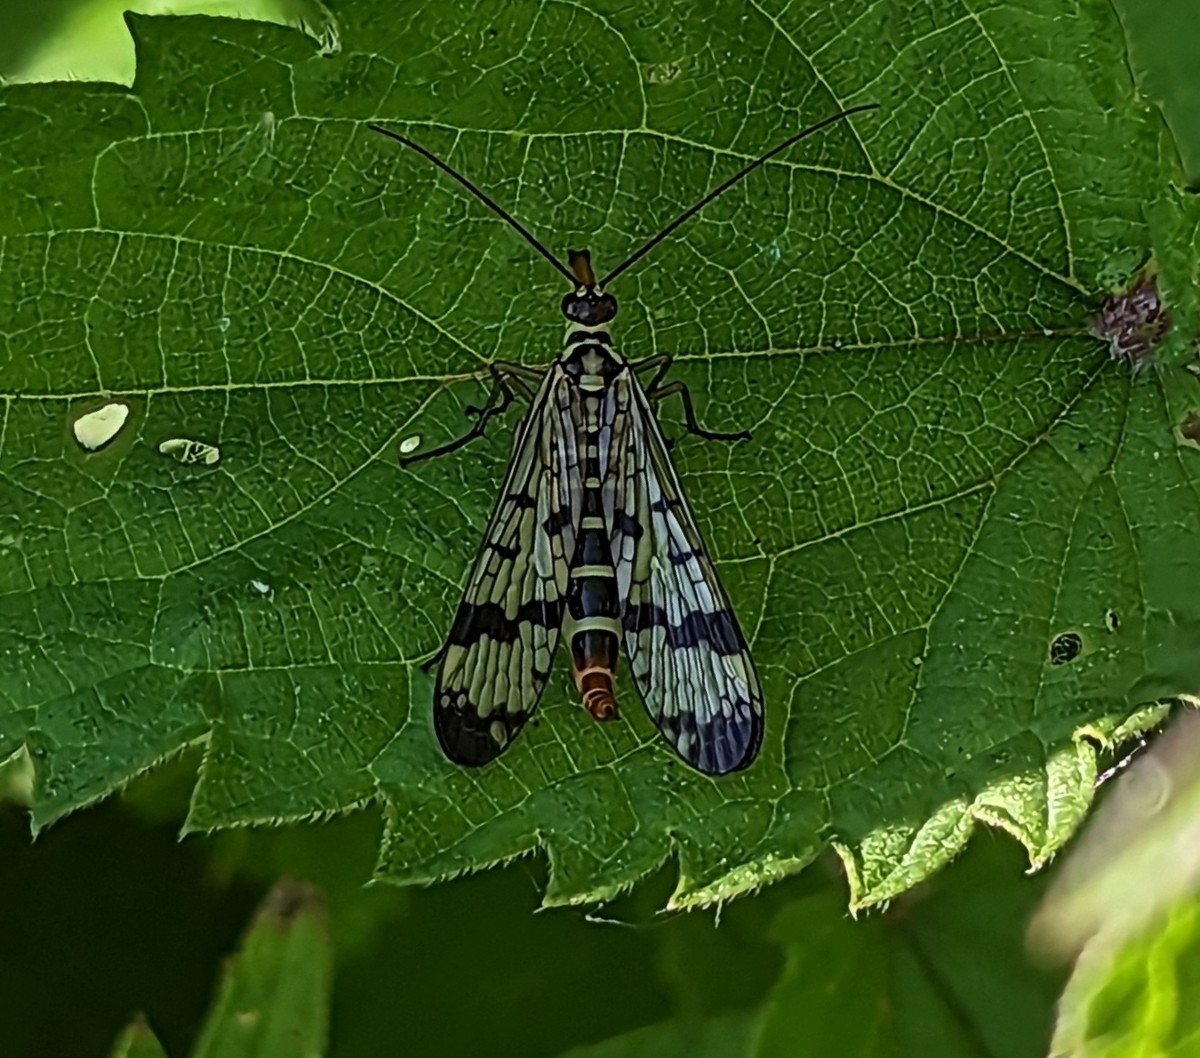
(273, 1001)
(1124, 904)
(109, 913)
(447, 968)
(1140, 1000)
(1164, 42)
(87, 40)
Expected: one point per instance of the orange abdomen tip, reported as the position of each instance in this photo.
(596, 686)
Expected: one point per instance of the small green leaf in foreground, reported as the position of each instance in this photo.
(273, 1001)
(1126, 903)
(137, 1041)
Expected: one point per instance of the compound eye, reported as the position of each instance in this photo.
(574, 308)
(601, 308)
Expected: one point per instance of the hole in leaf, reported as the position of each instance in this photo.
(189, 452)
(1112, 620)
(1066, 648)
(96, 428)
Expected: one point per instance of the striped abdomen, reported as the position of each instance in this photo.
(593, 616)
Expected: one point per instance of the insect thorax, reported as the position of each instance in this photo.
(589, 359)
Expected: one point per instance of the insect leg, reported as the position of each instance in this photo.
(662, 361)
(510, 377)
(508, 382)
(656, 394)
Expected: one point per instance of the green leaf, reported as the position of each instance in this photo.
(1162, 41)
(1125, 902)
(723, 1037)
(274, 999)
(137, 1041)
(947, 472)
(912, 981)
(1141, 998)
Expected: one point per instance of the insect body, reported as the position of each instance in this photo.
(591, 540)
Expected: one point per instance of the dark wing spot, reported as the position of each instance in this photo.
(557, 521)
(627, 525)
(717, 629)
(524, 501)
(728, 744)
(468, 738)
(476, 620)
(719, 746)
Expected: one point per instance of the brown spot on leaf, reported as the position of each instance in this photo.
(288, 900)
(1133, 323)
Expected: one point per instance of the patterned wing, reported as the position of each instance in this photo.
(685, 647)
(497, 657)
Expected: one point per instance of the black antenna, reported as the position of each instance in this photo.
(485, 199)
(718, 191)
(496, 208)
